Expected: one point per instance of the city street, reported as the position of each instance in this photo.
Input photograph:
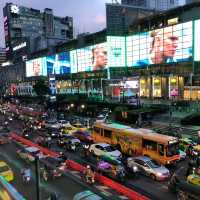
(145, 185)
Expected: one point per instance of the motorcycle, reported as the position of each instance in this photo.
(26, 179)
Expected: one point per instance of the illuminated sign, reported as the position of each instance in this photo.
(36, 67)
(172, 21)
(20, 46)
(14, 9)
(165, 45)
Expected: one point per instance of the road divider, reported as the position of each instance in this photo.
(131, 194)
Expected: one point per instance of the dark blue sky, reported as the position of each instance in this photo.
(88, 15)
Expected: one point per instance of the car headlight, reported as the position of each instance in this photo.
(135, 168)
(53, 134)
(159, 174)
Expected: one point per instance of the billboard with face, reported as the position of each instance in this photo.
(165, 45)
(36, 67)
(90, 58)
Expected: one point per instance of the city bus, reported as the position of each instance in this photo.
(134, 142)
(8, 192)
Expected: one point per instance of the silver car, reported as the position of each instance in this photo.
(149, 167)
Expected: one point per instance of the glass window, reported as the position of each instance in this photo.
(107, 133)
(149, 145)
(161, 149)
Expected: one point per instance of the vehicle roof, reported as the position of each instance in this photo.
(143, 158)
(86, 195)
(145, 133)
(32, 149)
(2, 163)
(102, 144)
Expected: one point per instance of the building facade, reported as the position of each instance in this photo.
(28, 30)
(2, 55)
(155, 4)
(157, 59)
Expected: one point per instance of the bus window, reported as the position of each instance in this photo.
(161, 149)
(150, 145)
(97, 130)
(172, 149)
(107, 133)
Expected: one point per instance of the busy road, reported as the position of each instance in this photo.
(67, 186)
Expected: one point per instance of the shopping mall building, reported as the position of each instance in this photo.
(158, 58)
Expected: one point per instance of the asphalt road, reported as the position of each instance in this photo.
(65, 187)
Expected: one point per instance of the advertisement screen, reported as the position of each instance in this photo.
(36, 67)
(165, 45)
(197, 40)
(58, 63)
(116, 51)
(90, 58)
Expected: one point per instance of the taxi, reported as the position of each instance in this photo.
(68, 129)
(6, 171)
(194, 179)
(80, 127)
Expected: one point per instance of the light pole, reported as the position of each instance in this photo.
(37, 170)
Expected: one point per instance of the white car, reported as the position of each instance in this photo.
(101, 149)
(101, 118)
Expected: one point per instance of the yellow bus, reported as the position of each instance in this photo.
(133, 142)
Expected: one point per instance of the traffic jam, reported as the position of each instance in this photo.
(137, 160)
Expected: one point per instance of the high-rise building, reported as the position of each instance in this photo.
(155, 4)
(28, 30)
(119, 17)
(2, 55)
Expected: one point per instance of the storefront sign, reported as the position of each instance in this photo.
(20, 46)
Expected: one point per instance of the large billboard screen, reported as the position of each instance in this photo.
(58, 63)
(116, 51)
(36, 67)
(197, 40)
(164, 45)
(90, 58)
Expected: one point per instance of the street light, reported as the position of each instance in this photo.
(72, 105)
(82, 106)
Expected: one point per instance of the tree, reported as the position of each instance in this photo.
(41, 88)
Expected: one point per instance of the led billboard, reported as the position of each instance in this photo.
(90, 58)
(165, 45)
(197, 40)
(36, 67)
(58, 63)
(116, 51)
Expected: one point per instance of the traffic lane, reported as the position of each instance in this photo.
(155, 189)
(142, 184)
(63, 186)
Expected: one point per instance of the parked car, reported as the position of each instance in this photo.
(6, 171)
(83, 136)
(149, 167)
(103, 149)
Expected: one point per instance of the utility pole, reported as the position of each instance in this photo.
(37, 170)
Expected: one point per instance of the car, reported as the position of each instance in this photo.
(29, 153)
(6, 171)
(4, 139)
(102, 149)
(79, 127)
(68, 129)
(52, 124)
(182, 155)
(54, 132)
(69, 142)
(101, 118)
(87, 195)
(83, 136)
(63, 123)
(194, 179)
(52, 167)
(149, 167)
